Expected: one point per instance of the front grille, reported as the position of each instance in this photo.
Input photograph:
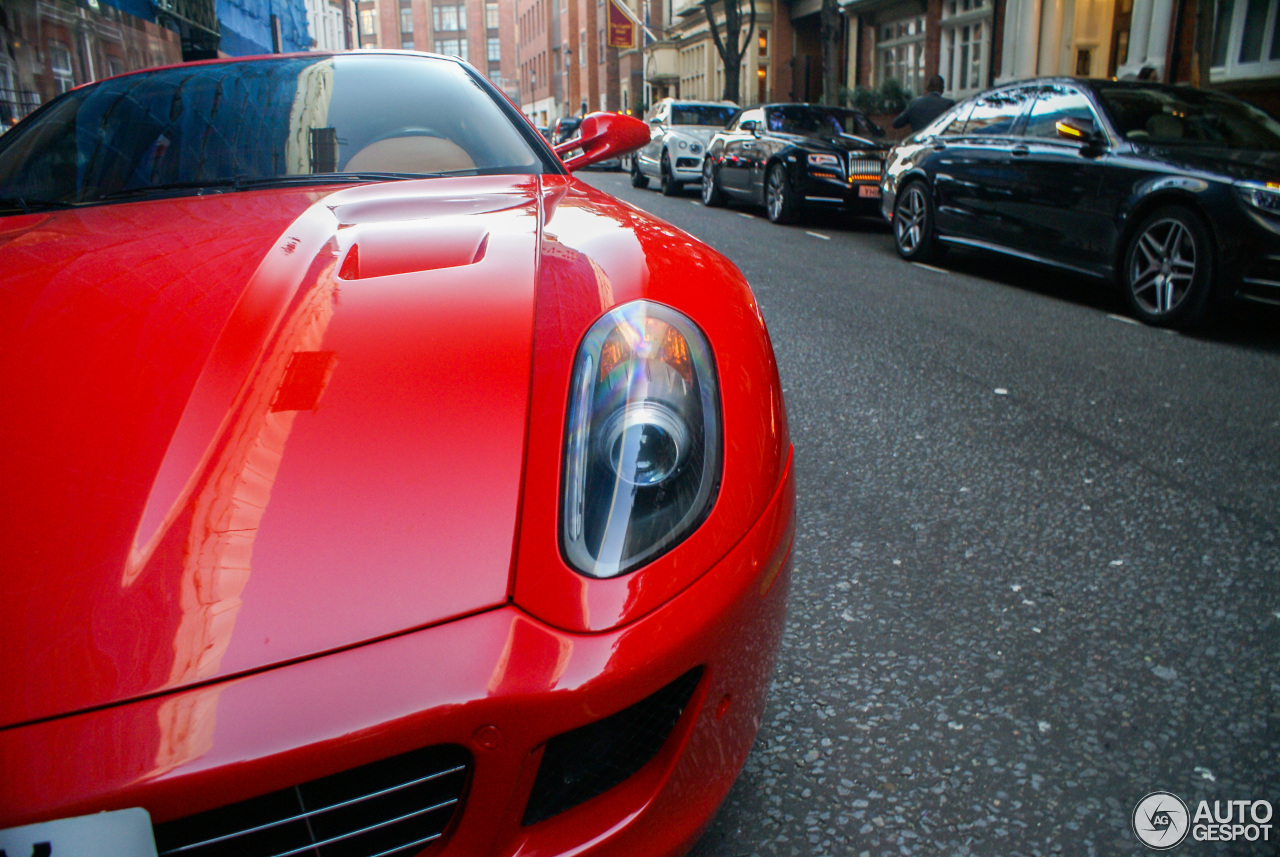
(865, 169)
(686, 163)
(396, 806)
(576, 766)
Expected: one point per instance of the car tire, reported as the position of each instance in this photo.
(638, 179)
(712, 195)
(914, 231)
(779, 198)
(1168, 269)
(668, 184)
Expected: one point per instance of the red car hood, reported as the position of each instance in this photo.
(230, 443)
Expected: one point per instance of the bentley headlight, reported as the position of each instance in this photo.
(642, 444)
(683, 144)
(1259, 195)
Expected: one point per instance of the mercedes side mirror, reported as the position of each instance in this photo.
(1081, 131)
(603, 136)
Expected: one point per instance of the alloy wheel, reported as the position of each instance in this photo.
(910, 219)
(1162, 267)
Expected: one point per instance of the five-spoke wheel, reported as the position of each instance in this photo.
(1168, 269)
(913, 231)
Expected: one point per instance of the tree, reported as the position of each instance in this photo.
(732, 47)
(830, 52)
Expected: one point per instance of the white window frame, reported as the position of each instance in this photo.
(63, 74)
(912, 46)
(1262, 67)
(976, 16)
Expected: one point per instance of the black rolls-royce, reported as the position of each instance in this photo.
(788, 156)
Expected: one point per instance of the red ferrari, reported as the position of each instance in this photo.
(371, 486)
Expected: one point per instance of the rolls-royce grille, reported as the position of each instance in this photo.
(392, 808)
(865, 169)
(588, 761)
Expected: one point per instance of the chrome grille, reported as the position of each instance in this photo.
(392, 808)
(866, 169)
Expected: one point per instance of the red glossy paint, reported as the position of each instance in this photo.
(282, 478)
(603, 136)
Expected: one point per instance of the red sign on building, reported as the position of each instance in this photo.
(622, 30)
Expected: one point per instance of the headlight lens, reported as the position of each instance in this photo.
(695, 148)
(824, 161)
(683, 144)
(642, 444)
(1259, 195)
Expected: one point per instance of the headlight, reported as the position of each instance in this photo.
(642, 444)
(824, 161)
(1259, 195)
(683, 144)
(695, 148)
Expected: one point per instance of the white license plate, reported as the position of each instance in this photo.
(124, 833)
(869, 191)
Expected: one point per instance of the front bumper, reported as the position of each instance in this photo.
(499, 683)
(860, 195)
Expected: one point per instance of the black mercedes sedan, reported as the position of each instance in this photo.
(1171, 192)
(787, 156)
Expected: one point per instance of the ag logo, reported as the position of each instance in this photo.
(1161, 821)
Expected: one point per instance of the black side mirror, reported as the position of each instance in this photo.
(1080, 131)
(750, 125)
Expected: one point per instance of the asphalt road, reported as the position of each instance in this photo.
(1037, 568)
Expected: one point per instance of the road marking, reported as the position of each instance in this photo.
(1121, 318)
(819, 235)
(748, 216)
(694, 202)
(931, 268)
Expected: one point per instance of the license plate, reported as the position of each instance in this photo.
(124, 833)
(869, 191)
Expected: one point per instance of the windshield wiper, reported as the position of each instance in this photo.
(27, 205)
(239, 183)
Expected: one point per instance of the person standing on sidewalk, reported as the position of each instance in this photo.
(924, 109)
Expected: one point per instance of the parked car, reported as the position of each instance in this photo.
(679, 132)
(567, 129)
(790, 156)
(370, 481)
(1167, 190)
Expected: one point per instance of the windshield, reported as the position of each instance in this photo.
(702, 114)
(1189, 116)
(819, 121)
(243, 124)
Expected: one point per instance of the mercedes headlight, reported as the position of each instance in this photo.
(642, 443)
(1259, 195)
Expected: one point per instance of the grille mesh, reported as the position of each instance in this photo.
(576, 766)
(870, 168)
(396, 806)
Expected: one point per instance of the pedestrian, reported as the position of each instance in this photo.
(924, 109)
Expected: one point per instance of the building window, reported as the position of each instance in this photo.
(452, 47)
(494, 50)
(406, 20)
(60, 65)
(367, 19)
(763, 44)
(1246, 39)
(406, 44)
(900, 52)
(491, 15)
(600, 43)
(966, 44)
(582, 49)
(450, 18)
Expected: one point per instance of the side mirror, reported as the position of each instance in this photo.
(750, 125)
(1080, 131)
(603, 136)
